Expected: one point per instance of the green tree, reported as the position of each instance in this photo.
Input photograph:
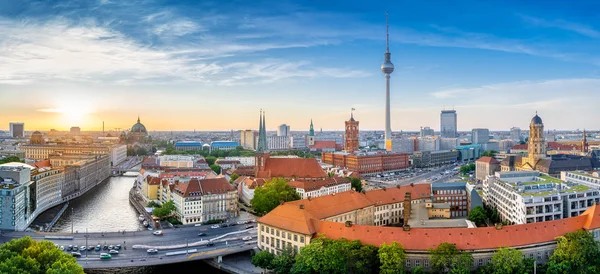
(268, 196)
(283, 263)
(489, 153)
(477, 215)
(356, 183)
(10, 159)
(462, 263)
(216, 168)
(418, 270)
(210, 160)
(392, 258)
(24, 255)
(576, 252)
(447, 258)
(324, 255)
(141, 151)
(263, 259)
(507, 261)
(233, 177)
(152, 204)
(165, 210)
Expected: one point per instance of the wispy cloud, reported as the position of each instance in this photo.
(562, 24)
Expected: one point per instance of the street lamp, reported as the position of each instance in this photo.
(86, 244)
(72, 220)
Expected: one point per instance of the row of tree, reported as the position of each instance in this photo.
(576, 252)
(10, 159)
(238, 151)
(27, 256)
(464, 170)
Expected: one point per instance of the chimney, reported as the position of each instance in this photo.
(348, 224)
(301, 206)
(407, 207)
(406, 228)
(498, 226)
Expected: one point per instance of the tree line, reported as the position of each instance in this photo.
(25, 256)
(576, 252)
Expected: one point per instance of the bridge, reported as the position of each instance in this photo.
(174, 246)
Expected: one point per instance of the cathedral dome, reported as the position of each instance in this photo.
(138, 127)
(536, 120)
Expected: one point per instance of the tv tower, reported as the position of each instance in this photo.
(387, 68)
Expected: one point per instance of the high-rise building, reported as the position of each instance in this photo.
(75, 131)
(351, 143)
(283, 130)
(17, 130)
(480, 136)
(387, 68)
(248, 139)
(448, 126)
(515, 134)
(426, 131)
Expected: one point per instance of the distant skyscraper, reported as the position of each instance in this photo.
(426, 131)
(515, 134)
(387, 68)
(448, 124)
(283, 130)
(351, 143)
(480, 136)
(17, 130)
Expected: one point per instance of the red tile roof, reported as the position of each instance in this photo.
(41, 164)
(489, 160)
(393, 195)
(334, 204)
(290, 217)
(216, 185)
(196, 187)
(250, 182)
(314, 185)
(292, 167)
(324, 145)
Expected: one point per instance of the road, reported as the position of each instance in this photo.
(420, 178)
(129, 256)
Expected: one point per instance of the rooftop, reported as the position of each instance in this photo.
(188, 143)
(224, 144)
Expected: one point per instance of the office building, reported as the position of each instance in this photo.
(480, 136)
(421, 159)
(298, 142)
(469, 152)
(17, 130)
(367, 163)
(448, 124)
(278, 143)
(426, 131)
(486, 166)
(428, 143)
(199, 201)
(453, 193)
(248, 139)
(188, 146)
(14, 183)
(283, 130)
(403, 145)
(223, 145)
(47, 183)
(449, 143)
(176, 161)
(515, 134)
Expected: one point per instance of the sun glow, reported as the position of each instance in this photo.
(71, 113)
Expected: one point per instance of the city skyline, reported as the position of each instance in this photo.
(192, 66)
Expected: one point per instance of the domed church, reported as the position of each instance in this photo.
(137, 135)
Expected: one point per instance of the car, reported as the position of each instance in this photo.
(233, 224)
(158, 233)
(105, 247)
(90, 248)
(118, 247)
(242, 222)
(210, 244)
(110, 247)
(152, 250)
(201, 234)
(249, 226)
(82, 248)
(98, 248)
(112, 251)
(247, 238)
(62, 247)
(104, 256)
(69, 248)
(76, 254)
(215, 226)
(224, 225)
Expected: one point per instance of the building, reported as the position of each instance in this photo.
(283, 130)
(118, 154)
(515, 134)
(426, 131)
(223, 145)
(486, 166)
(278, 143)
(42, 152)
(176, 161)
(325, 146)
(244, 161)
(298, 142)
(14, 184)
(528, 196)
(438, 210)
(12, 152)
(582, 178)
(75, 131)
(491, 145)
(367, 163)
(199, 201)
(421, 159)
(312, 189)
(428, 143)
(248, 139)
(480, 136)
(469, 152)
(37, 138)
(310, 138)
(504, 146)
(448, 124)
(449, 143)
(387, 68)
(246, 186)
(227, 164)
(46, 186)
(17, 130)
(138, 135)
(403, 145)
(454, 194)
(351, 143)
(188, 146)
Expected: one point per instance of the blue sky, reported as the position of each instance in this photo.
(212, 65)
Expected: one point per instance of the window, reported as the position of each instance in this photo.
(295, 238)
(283, 234)
(480, 262)
(262, 228)
(272, 231)
(277, 231)
(302, 239)
(408, 263)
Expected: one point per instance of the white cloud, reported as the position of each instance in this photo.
(562, 24)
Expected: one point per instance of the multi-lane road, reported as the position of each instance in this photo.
(171, 245)
(419, 178)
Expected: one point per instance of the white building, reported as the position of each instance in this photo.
(177, 161)
(526, 197)
(278, 143)
(449, 143)
(426, 131)
(283, 130)
(403, 145)
(515, 134)
(428, 143)
(298, 142)
(118, 154)
(48, 188)
(313, 189)
(505, 145)
(582, 178)
(480, 135)
(227, 164)
(199, 201)
(14, 181)
(244, 161)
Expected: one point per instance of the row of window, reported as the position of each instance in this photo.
(283, 234)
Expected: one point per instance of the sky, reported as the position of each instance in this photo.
(213, 65)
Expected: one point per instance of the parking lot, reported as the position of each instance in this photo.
(416, 176)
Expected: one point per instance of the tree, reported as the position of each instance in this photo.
(216, 168)
(356, 183)
(141, 151)
(477, 215)
(418, 270)
(263, 259)
(165, 210)
(210, 160)
(152, 204)
(233, 177)
(324, 255)
(462, 263)
(269, 196)
(576, 252)
(447, 258)
(284, 262)
(507, 261)
(489, 153)
(392, 258)
(25, 255)
(10, 159)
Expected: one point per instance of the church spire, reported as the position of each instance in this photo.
(311, 131)
(138, 118)
(262, 134)
(584, 143)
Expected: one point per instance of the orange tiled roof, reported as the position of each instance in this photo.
(216, 185)
(153, 181)
(593, 220)
(324, 144)
(290, 217)
(334, 204)
(489, 160)
(250, 182)
(313, 185)
(396, 194)
(42, 164)
(464, 238)
(292, 167)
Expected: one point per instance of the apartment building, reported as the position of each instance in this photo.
(319, 188)
(199, 201)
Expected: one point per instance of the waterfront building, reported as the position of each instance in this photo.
(314, 189)
(480, 136)
(176, 161)
(486, 166)
(448, 124)
(14, 183)
(17, 130)
(528, 196)
(367, 163)
(283, 130)
(46, 187)
(223, 145)
(454, 194)
(421, 159)
(118, 154)
(426, 131)
(35, 152)
(188, 146)
(199, 201)
(351, 143)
